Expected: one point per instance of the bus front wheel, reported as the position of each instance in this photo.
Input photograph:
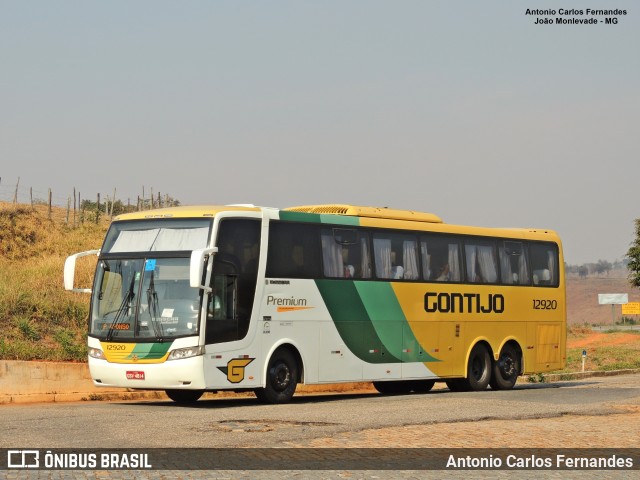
(184, 396)
(478, 372)
(506, 369)
(282, 378)
(479, 368)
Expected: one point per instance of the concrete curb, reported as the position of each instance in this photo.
(37, 382)
(561, 377)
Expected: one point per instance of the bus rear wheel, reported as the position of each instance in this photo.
(282, 378)
(184, 396)
(506, 369)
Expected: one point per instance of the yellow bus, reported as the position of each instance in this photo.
(195, 299)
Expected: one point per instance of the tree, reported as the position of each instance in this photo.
(583, 271)
(603, 266)
(634, 258)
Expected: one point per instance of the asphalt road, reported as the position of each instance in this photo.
(243, 422)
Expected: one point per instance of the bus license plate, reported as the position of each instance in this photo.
(135, 375)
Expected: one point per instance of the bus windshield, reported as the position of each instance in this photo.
(144, 298)
(157, 235)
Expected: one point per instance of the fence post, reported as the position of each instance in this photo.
(74, 207)
(15, 195)
(50, 196)
(98, 210)
(113, 201)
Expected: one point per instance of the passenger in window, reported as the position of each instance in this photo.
(443, 273)
(349, 271)
(397, 271)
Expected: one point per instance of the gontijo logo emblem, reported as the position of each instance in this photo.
(235, 369)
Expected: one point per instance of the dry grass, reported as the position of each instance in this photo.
(38, 319)
(611, 350)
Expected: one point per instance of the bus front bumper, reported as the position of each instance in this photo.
(187, 373)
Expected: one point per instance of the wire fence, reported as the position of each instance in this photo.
(73, 208)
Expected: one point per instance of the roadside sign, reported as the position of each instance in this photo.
(631, 308)
(613, 298)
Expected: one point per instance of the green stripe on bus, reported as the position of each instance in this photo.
(340, 220)
(299, 217)
(150, 351)
(389, 321)
(319, 218)
(352, 321)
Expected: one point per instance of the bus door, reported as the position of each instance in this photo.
(230, 304)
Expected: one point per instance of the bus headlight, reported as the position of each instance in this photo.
(96, 353)
(186, 353)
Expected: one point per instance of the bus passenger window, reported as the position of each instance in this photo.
(294, 250)
(513, 263)
(396, 256)
(480, 256)
(440, 258)
(544, 263)
(345, 253)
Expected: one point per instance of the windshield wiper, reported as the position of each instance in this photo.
(124, 306)
(152, 301)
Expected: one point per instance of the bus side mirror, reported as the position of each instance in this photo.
(70, 271)
(196, 267)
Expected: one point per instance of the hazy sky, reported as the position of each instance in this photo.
(466, 109)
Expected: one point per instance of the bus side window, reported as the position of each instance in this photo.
(345, 253)
(440, 258)
(514, 268)
(294, 251)
(396, 256)
(480, 256)
(544, 263)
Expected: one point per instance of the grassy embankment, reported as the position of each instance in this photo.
(38, 319)
(608, 350)
(41, 321)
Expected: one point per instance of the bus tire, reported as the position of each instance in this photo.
(184, 396)
(479, 368)
(422, 386)
(282, 378)
(506, 369)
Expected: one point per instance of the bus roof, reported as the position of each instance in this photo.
(371, 215)
(370, 212)
(192, 211)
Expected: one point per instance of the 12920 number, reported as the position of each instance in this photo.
(544, 304)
